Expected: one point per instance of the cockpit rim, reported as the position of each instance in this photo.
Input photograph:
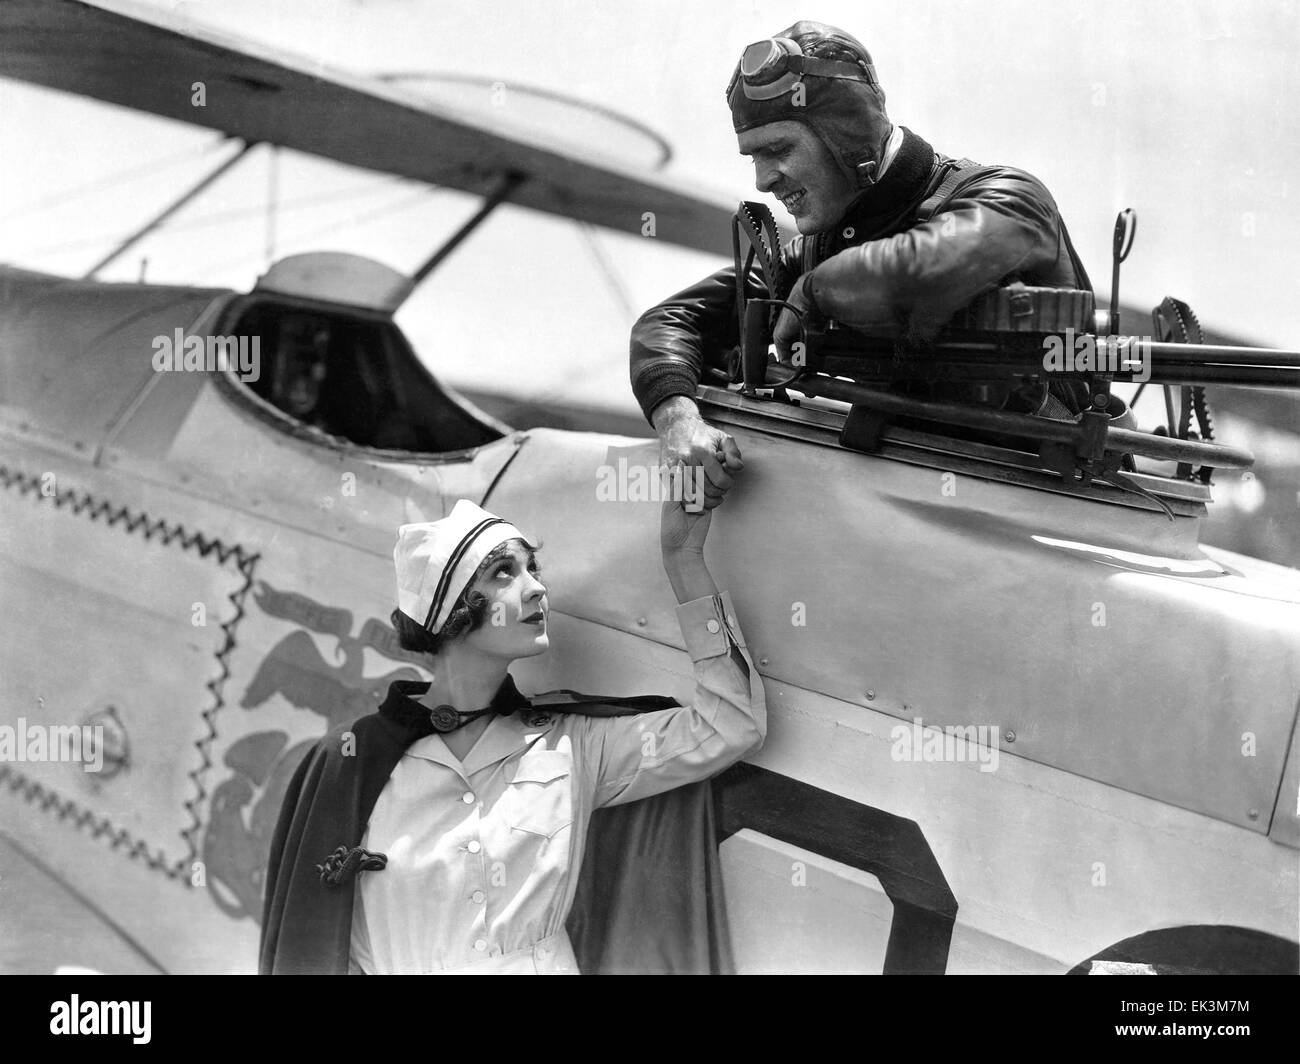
(242, 397)
(821, 426)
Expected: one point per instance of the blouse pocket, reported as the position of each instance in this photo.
(541, 799)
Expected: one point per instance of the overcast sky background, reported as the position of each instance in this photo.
(1184, 111)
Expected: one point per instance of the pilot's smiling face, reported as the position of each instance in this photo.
(792, 164)
(515, 625)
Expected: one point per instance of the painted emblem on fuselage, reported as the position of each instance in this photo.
(246, 804)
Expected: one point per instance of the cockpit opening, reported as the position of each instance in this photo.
(354, 376)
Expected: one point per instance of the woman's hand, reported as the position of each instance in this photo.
(681, 530)
(681, 537)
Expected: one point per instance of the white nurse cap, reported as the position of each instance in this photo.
(436, 560)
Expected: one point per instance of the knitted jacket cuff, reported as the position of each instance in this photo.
(662, 380)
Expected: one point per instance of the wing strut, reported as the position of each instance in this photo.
(167, 212)
(508, 183)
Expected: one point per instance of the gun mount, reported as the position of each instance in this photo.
(1007, 339)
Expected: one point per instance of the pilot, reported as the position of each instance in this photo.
(808, 108)
(445, 832)
(303, 390)
(300, 370)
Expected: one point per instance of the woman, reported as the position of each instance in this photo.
(461, 806)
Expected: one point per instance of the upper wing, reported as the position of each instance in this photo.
(149, 60)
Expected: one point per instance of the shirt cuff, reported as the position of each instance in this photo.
(709, 626)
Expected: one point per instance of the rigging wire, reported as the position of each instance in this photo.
(612, 279)
(331, 228)
(559, 390)
(120, 177)
(202, 221)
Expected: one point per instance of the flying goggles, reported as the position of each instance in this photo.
(771, 68)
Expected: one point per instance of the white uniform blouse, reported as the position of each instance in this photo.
(483, 857)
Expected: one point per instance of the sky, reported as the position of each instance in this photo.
(1183, 111)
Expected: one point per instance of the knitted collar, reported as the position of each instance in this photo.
(403, 708)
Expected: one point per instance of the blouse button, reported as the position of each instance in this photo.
(467, 797)
(478, 897)
(474, 846)
(481, 945)
(713, 626)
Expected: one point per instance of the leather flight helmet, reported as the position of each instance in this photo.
(823, 77)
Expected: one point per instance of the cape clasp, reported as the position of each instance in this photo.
(343, 864)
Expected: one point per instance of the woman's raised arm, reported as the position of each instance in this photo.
(646, 754)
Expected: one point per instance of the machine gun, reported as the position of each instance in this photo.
(1006, 338)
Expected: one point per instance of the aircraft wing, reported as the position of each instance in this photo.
(149, 60)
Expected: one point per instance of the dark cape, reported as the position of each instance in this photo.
(649, 895)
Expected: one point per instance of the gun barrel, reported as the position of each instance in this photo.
(1219, 354)
(1190, 373)
(1125, 358)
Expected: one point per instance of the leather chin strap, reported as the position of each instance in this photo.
(866, 170)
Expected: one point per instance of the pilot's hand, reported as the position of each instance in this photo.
(787, 332)
(687, 439)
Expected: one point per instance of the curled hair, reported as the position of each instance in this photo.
(468, 614)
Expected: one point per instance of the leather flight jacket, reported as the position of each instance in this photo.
(881, 266)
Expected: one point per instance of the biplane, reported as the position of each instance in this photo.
(1022, 719)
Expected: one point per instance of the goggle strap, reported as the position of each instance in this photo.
(831, 68)
(798, 65)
